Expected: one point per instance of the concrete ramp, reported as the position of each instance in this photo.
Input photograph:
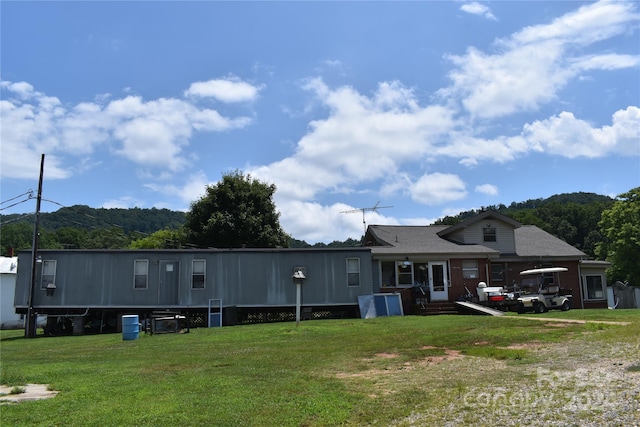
(480, 308)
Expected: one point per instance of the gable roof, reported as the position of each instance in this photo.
(401, 239)
(530, 241)
(480, 217)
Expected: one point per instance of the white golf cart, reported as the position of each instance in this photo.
(540, 291)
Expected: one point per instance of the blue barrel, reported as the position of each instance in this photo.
(130, 327)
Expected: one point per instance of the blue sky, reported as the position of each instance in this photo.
(429, 107)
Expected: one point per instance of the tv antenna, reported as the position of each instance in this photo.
(374, 208)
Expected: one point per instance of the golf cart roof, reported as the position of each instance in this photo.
(544, 270)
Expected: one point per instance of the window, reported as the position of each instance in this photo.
(489, 234)
(198, 269)
(404, 273)
(470, 269)
(497, 272)
(48, 273)
(594, 287)
(353, 271)
(140, 274)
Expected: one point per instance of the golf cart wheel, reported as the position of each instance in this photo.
(565, 306)
(520, 308)
(538, 307)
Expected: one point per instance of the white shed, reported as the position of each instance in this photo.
(8, 317)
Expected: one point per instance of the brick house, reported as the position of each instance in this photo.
(440, 263)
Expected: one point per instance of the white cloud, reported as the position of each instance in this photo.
(149, 133)
(605, 62)
(480, 9)
(83, 127)
(591, 23)
(374, 139)
(21, 89)
(570, 137)
(302, 220)
(471, 150)
(416, 221)
(488, 189)
(530, 67)
(438, 188)
(364, 138)
(377, 139)
(491, 86)
(191, 190)
(231, 89)
(27, 132)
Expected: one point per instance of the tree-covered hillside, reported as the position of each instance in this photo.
(83, 227)
(598, 225)
(572, 217)
(87, 218)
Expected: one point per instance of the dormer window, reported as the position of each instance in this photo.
(489, 233)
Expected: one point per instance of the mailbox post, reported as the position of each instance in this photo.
(298, 278)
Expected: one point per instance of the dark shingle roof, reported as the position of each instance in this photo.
(533, 241)
(402, 239)
(530, 241)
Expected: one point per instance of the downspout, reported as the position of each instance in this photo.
(486, 270)
(580, 285)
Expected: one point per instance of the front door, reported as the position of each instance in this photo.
(169, 282)
(438, 283)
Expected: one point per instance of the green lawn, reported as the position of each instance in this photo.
(322, 373)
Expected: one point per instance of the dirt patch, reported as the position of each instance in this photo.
(524, 346)
(30, 392)
(387, 355)
(448, 355)
(554, 320)
(556, 325)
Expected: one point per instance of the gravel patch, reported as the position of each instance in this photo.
(581, 384)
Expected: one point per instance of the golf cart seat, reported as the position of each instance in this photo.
(552, 289)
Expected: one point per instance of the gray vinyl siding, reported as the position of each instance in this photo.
(238, 277)
(505, 240)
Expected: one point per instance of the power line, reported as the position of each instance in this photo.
(15, 204)
(30, 193)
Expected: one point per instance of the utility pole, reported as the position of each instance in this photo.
(32, 316)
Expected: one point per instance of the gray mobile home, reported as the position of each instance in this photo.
(94, 288)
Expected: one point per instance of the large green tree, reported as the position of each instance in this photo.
(17, 235)
(237, 211)
(162, 239)
(620, 226)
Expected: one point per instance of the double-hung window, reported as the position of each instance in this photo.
(353, 271)
(198, 271)
(489, 234)
(470, 269)
(141, 274)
